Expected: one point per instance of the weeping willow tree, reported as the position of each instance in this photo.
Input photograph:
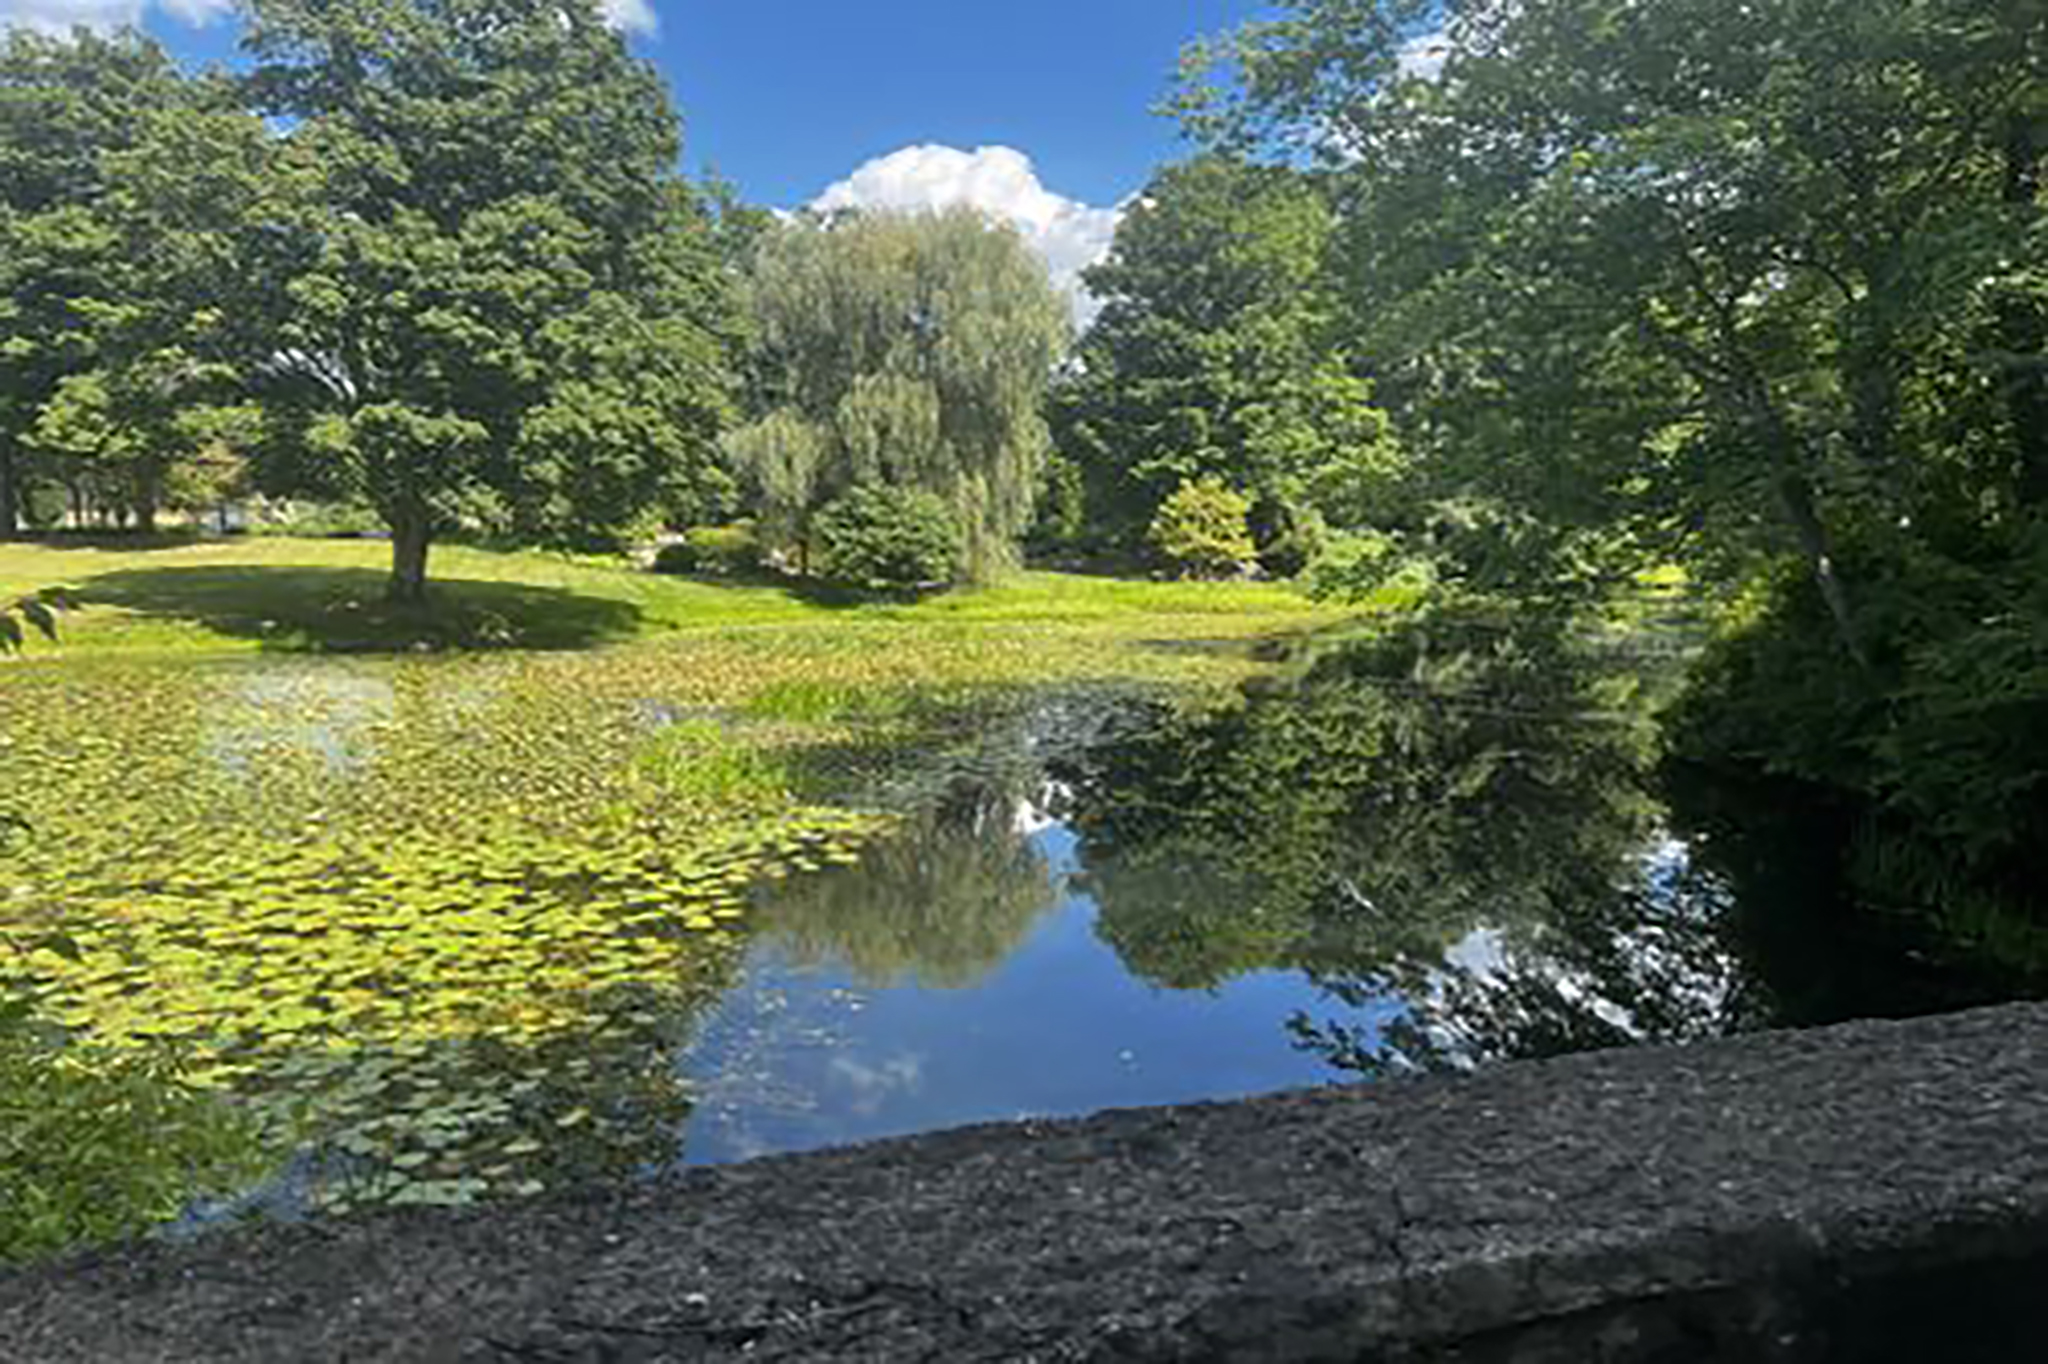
(907, 350)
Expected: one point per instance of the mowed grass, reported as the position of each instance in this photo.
(326, 596)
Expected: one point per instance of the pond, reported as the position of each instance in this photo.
(457, 931)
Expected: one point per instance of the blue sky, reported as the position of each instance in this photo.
(1040, 112)
(787, 96)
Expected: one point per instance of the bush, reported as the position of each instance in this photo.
(730, 551)
(97, 1147)
(889, 539)
(1201, 530)
(1289, 538)
(676, 557)
(320, 520)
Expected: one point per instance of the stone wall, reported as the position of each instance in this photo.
(1869, 1192)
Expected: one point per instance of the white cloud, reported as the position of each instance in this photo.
(1068, 234)
(61, 16)
(630, 16)
(1423, 56)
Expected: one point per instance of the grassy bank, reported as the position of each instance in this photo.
(325, 595)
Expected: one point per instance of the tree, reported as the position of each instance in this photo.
(904, 349)
(1756, 287)
(1217, 353)
(1200, 529)
(1683, 277)
(68, 108)
(512, 315)
(184, 311)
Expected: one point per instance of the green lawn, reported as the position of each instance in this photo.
(325, 595)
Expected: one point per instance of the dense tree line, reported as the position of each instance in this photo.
(1759, 290)
(434, 259)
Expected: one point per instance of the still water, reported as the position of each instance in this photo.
(1351, 874)
(429, 923)
(804, 1052)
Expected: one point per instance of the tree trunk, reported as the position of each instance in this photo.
(1795, 494)
(10, 492)
(2025, 330)
(410, 540)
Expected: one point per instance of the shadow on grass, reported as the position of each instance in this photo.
(842, 596)
(120, 541)
(342, 610)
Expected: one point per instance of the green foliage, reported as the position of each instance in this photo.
(1617, 307)
(1200, 530)
(883, 539)
(701, 762)
(1749, 289)
(730, 551)
(96, 1147)
(908, 350)
(74, 113)
(510, 313)
(1218, 353)
(36, 611)
(339, 520)
(1938, 749)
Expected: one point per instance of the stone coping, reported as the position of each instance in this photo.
(1844, 1193)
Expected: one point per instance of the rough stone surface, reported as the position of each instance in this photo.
(1872, 1191)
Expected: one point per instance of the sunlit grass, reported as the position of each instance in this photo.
(326, 595)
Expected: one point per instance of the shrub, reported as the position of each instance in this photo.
(886, 539)
(319, 520)
(97, 1147)
(1201, 530)
(1289, 538)
(729, 551)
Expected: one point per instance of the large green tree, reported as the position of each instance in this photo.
(1758, 287)
(1217, 353)
(908, 349)
(69, 108)
(512, 316)
(183, 311)
(1686, 276)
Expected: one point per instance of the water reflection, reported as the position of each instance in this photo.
(804, 1054)
(1437, 848)
(942, 903)
(326, 713)
(1361, 822)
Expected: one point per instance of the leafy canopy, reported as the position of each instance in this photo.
(904, 349)
(1218, 352)
(511, 315)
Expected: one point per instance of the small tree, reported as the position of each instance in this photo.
(1202, 530)
(884, 539)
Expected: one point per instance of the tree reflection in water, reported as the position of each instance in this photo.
(1470, 816)
(941, 902)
